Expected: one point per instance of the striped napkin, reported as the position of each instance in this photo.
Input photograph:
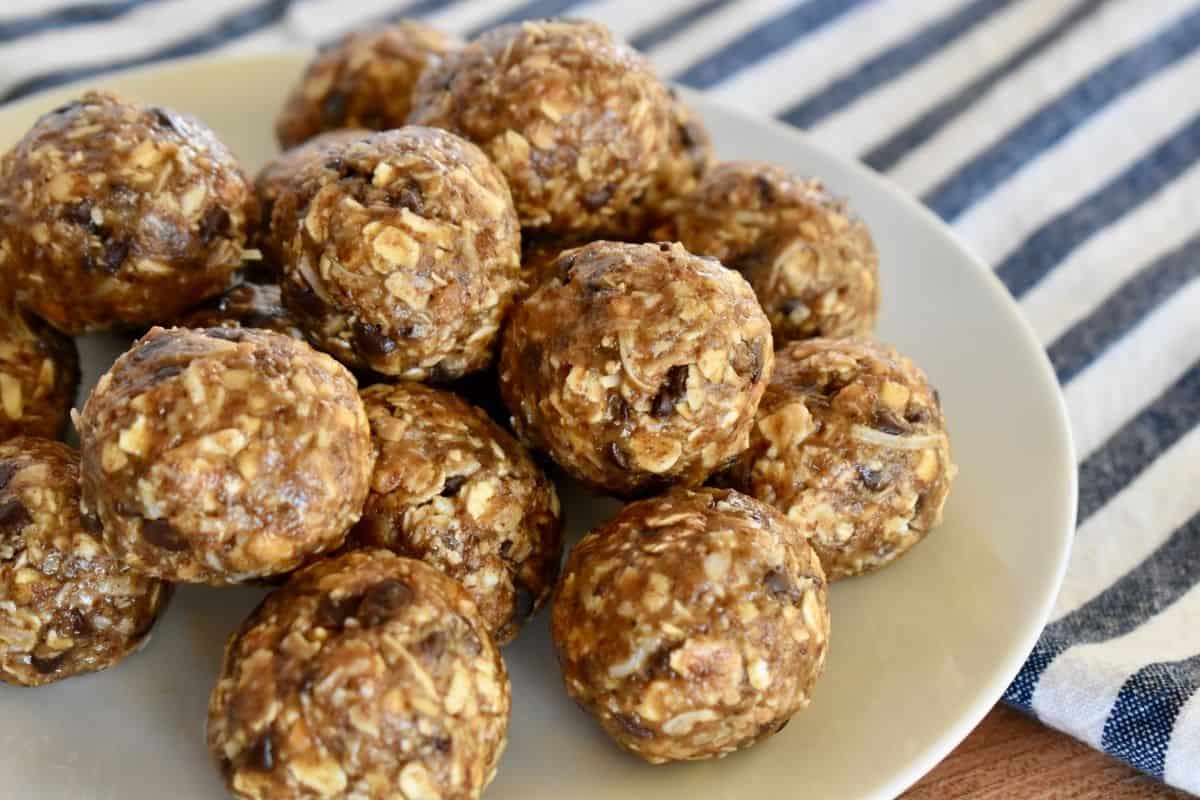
(1061, 138)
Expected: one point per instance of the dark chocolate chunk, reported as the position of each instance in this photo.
(47, 665)
(372, 341)
(614, 452)
(873, 479)
(410, 197)
(261, 756)
(13, 517)
(632, 725)
(453, 484)
(618, 409)
(113, 256)
(214, 223)
(781, 587)
(332, 613)
(166, 120)
(163, 534)
(382, 601)
(672, 391)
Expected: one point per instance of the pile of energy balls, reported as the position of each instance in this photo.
(534, 218)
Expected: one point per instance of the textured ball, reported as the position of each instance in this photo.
(66, 606)
(575, 118)
(221, 455)
(367, 675)
(119, 215)
(850, 443)
(363, 80)
(39, 374)
(640, 367)
(812, 263)
(692, 624)
(401, 253)
(454, 489)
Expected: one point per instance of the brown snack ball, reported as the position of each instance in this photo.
(575, 118)
(66, 606)
(39, 373)
(277, 175)
(367, 675)
(247, 305)
(118, 215)
(454, 489)
(692, 625)
(221, 455)
(811, 262)
(850, 443)
(363, 80)
(401, 253)
(640, 367)
(688, 158)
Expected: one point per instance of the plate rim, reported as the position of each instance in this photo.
(992, 691)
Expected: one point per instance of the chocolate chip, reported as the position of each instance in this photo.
(333, 107)
(65, 107)
(13, 517)
(80, 213)
(163, 534)
(304, 300)
(596, 200)
(439, 373)
(332, 613)
(214, 223)
(872, 478)
(113, 256)
(632, 725)
(614, 452)
(45, 666)
(664, 247)
(7, 470)
(766, 190)
(672, 391)
(410, 197)
(372, 341)
(91, 524)
(382, 601)
(505, 548)
(75, 623)
(660, 662)
(526, 601)
(166, 120)
(780, 585)
(261, 756)
(618, 409)
(453, 484)
(885, 422)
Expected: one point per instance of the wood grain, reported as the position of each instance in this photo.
(1012, 756)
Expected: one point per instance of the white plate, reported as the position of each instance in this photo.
(919, 652)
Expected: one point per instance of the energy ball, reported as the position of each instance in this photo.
(812, 263)
(454, 489)
(247, 305)
(401, 254)
(692, 625)
(118, 215)
(39, 373)
(363, 80)
(850, 443)
(277, 175)
(640, 367)
(575, 118)
(688, 158)
(368, 676)
(66, 606)
(221, 455)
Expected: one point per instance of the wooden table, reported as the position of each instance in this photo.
(1010, 756)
